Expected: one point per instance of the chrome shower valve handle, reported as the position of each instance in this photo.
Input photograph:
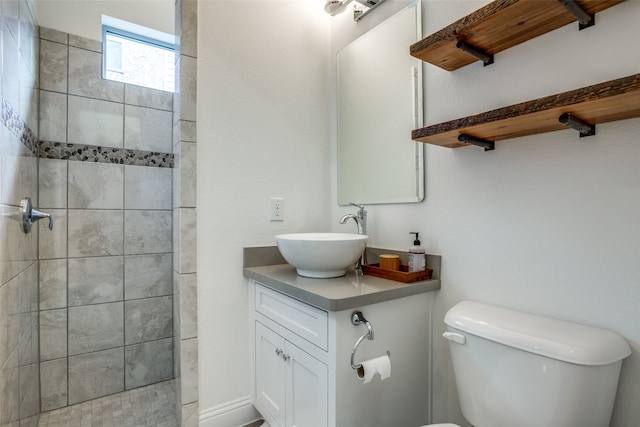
(30, 215)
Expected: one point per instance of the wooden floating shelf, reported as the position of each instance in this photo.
(498, 26)
(605, 102)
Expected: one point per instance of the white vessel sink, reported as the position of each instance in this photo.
(321, 255)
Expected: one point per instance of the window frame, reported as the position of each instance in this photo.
(131, 36)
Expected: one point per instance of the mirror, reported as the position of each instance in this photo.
(379, 104)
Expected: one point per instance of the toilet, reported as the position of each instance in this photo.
(518, 369)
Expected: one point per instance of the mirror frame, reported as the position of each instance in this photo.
(361, 178)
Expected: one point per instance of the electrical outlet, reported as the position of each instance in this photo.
(277, 209)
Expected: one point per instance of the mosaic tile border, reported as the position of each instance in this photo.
(91, 153)
(12, 121)
(79, 152)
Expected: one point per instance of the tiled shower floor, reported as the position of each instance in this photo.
(153, 405)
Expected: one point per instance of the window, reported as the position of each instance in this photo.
(137, 55)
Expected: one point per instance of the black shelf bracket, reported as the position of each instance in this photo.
(468, 139)
(585, 129)
(584, 19)
(487, 59)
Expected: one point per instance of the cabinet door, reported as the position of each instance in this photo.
(306, 389)
(271, 372)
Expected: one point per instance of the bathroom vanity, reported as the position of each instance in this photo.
(303, 338)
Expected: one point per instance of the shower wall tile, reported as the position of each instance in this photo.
(147, 188)
(10, 391)
(53, 116)
(95, 280)
(184, 131)
(148, 363)
(147, 276)
(53, 66)
(53, 35)
(189, 370)
(28, 167)
(29, 393)
(176, 361)
(9, 167)
(95, 122)
(147, 129)
(53, 243)
(190, 415)
(96, 374)
(28, 289)
(189, 26)
(188, 308)
(53, 334)
(95, 327)
(9, 257)
(53, 384)
(29, 103)
(95, 185)
(53, 284)
(85, 43)
(188, 85)
(184, 175)
(11, 12)
(28, 348)
(95, 233)
(184, 260)
(11, 68)
(28, 36)
(9, 321)
(147, 232)
(148, 97)
(52, 183)
(85, 76)
(176, 308)
(147, 319)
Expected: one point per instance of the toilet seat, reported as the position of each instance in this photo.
(442, 425)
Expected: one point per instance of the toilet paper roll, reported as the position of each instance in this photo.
(380, 365)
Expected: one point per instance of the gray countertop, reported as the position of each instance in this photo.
(336, 294)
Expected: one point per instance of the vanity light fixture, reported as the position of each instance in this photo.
(360, 10)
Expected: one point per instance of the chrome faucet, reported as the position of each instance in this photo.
(361, 221)
(360, 218)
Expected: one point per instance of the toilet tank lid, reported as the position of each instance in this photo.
(557, 339)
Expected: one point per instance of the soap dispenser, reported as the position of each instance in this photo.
(417, 256)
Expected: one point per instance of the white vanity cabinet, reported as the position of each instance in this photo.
(302, 372)
(290, 383)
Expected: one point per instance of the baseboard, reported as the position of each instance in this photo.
(235, 413)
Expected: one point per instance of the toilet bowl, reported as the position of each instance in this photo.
(518, 369)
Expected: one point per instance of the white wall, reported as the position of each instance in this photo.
(547, 223)
(84, 18)
(263, 110)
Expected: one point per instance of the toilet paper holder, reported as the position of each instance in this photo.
(357, 318)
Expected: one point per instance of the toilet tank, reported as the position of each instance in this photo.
(518, 369)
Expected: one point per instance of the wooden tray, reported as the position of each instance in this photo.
(399, 276)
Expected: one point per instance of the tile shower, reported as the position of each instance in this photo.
(106, 268)
(19, 381)
(111, 287)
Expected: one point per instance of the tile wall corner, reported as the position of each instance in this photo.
(185, 214)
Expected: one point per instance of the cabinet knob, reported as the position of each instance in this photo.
(279, 352)
(286, 357)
